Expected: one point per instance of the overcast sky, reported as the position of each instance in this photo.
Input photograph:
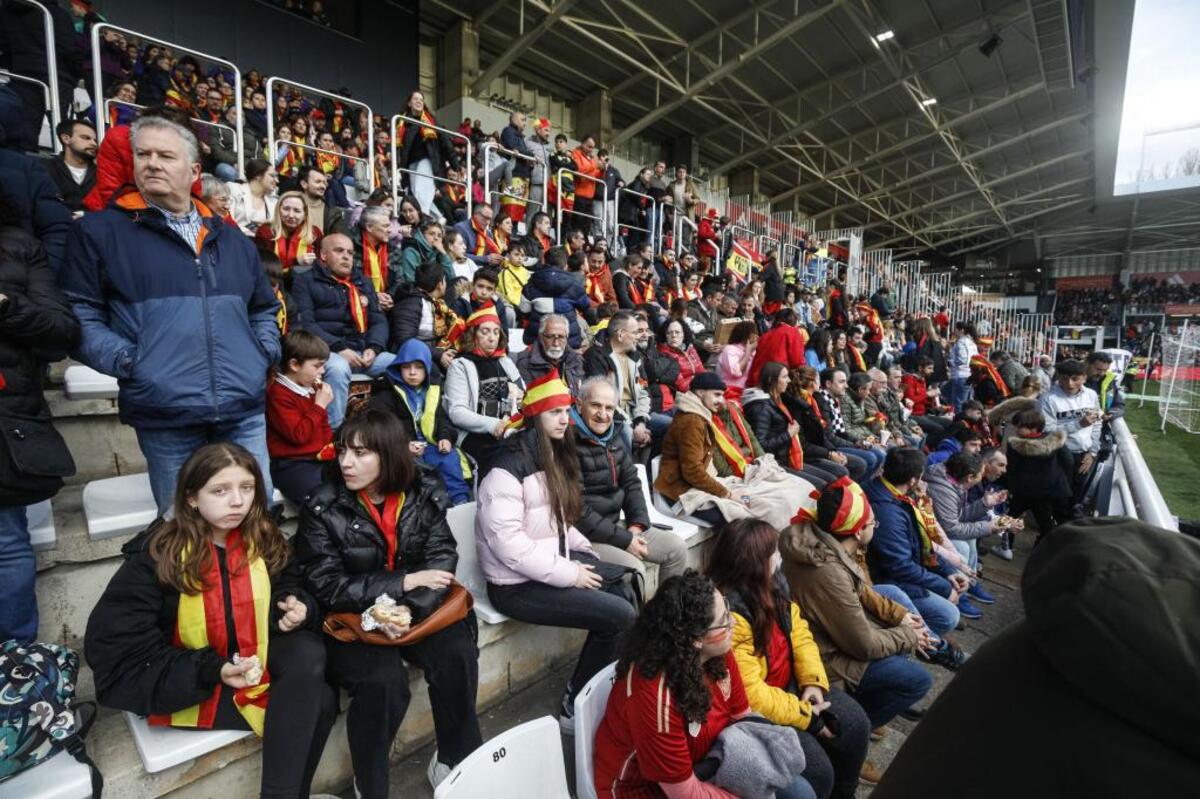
(1162, 88)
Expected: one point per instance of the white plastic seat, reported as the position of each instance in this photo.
(685, 530)
(461, 519)
(84, 382)
(60, 777)
(523, 762)
(125, 504)
(589, 710)
(163, 747)
(516, 340)
(664, 507)
(118, 505)
(41, 525)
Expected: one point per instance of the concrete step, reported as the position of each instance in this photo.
(99, 443)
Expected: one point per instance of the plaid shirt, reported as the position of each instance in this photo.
(187, 226)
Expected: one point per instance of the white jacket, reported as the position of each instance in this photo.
(462, 396)
(1062, 412)
(960, 357)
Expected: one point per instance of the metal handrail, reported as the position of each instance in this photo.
(602, 218)
(487, 176)
(47, 93)
(98, 77)
(1147, 499)
(681, 219)
(370, 158)
(55, 104)
(468, 180)
(617, 225)
(139, 106)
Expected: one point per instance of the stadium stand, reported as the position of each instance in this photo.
(458, 271)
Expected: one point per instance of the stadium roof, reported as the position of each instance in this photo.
(949, 125)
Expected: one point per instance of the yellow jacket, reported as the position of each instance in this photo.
(513, 278)
(779, 705)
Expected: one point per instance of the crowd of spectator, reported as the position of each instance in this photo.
(851, 457)
(1104, 306)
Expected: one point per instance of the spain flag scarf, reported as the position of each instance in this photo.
(855, 359)
(594, 284)
(427, 133)
(985, 366)
(375, 263)
(289, 248)
(357, 302)
(485, 243)
(725, 443)
(920, 520)
(795, 450)
(200, 623)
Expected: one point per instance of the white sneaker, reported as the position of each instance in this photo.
(1003, 552)
(437, 771)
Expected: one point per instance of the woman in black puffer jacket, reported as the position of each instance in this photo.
(383, 530)
(778, 434)
(36, 328)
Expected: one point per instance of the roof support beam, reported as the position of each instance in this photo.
(1014, 221)
(506, 59)
(725, 70)
(857, 98)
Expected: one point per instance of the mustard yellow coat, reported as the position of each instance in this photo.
(779, 705)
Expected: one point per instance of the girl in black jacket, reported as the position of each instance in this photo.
(219, 577)
(382, 530)
(1040, 472)
(819, 443)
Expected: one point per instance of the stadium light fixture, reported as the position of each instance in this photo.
(928, 101)
(880, 38)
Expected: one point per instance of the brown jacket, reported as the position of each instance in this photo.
(851, 623)
(687, 452)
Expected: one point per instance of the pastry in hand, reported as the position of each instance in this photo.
(399, 615)
(254, 674)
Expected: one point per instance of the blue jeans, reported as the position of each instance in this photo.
(226, 172)
(658, 424)
(890, 685)
(337, 375)
(939, 613)
(960, 392)
(449, 465)
(167, 449)
(18, 602)
(871, 456)
(969, 551)
(799, 789)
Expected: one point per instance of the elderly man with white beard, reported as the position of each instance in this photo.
(550, 351)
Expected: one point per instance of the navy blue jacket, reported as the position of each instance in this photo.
(894, 555)
(28, 185)
(558, 287)
(323, 307)
(190, 338)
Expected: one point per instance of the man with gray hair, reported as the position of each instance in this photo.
(550, 351)
(173, 301)
(614, 357)
(378, 262)
(615, 518)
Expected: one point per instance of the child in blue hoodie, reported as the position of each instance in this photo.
(408, 391)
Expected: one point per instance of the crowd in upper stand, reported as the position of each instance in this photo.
(851, 456)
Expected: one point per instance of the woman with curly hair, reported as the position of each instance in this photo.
(780, 662)
(677, 688)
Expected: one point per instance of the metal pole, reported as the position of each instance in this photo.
(52, 72)
(1166, 408)
(1149, 365)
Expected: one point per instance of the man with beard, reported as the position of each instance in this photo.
(550, 351)
(74, 171)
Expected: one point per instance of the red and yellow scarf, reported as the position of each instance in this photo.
(356, 300)
(289, 248)
(327, 162)
(733, 454)
(485, 243)
(375, 263)
(200, 623)
(641, 291)
(923, 523)
(594, 284)
(984, 365)
(874, 324)
(281, 319)
(857, 362)
(427, 133)
(795, 450)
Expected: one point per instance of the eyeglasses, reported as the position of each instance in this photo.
(726, 623)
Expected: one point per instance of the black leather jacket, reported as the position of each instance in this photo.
(341, 551)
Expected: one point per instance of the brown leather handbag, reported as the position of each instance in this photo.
(347, 627)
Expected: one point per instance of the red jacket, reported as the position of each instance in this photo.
(782, 343)
(916, 390)
(690, 364)
(114, 169)
(707, 248)
(297, 427)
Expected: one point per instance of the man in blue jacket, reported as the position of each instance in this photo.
(175, 304)
(335, 301)
(896, 555)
